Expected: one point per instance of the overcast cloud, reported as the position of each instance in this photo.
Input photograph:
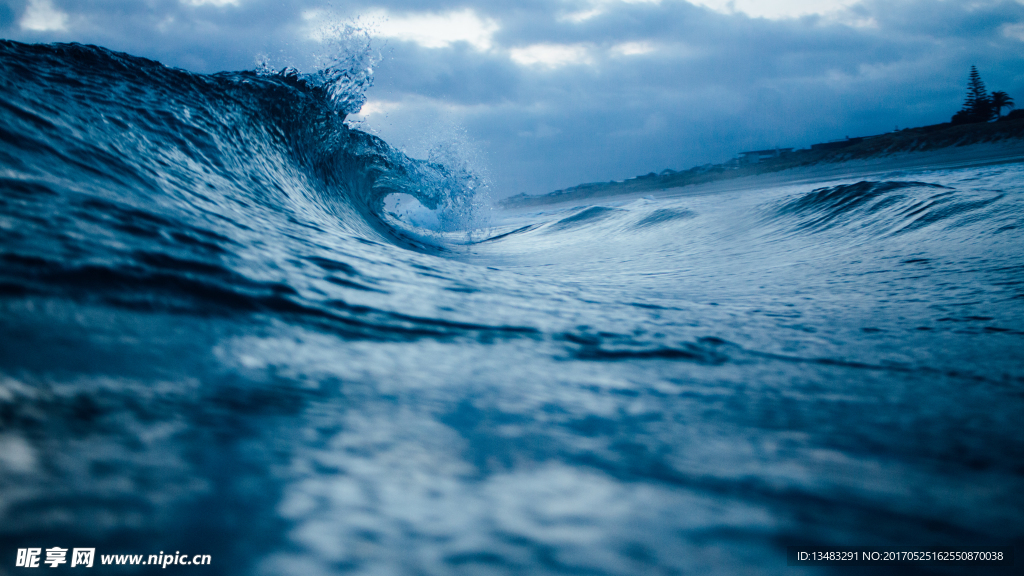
(550, 94)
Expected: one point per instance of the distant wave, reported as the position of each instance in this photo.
(664, 215)
(891, 207)
(587, 216)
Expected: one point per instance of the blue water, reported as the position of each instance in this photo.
(220, 334)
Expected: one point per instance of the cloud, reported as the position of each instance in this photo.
(379, 107)
(551, 55)
(596, 8)
(1015, 31)
(436, 30)
(633, 48)
(41, 16)
(777, 9)
(772, 9)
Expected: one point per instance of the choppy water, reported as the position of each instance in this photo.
(214, 338)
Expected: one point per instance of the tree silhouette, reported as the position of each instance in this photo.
(1001, 100)
(978, 104)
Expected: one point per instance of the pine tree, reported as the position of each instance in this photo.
(978, 104)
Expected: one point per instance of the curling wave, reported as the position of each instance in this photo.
(131, 130)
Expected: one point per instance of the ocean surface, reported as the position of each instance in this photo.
(227, 328)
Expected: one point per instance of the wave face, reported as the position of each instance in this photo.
(891, 208)
(216, 338)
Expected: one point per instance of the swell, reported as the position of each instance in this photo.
(889, 208)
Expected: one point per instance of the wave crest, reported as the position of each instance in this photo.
(890, 207)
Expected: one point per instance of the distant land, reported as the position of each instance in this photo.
(908, 140)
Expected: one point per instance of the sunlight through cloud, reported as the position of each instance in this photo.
(633, 48)
(432, 30)
(41, 16)
(551, 55)
(775, 9)
(597, 8)
(377, 107)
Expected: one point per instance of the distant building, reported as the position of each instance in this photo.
(755, 156)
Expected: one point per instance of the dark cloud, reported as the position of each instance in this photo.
(709, 84)
(465, 75)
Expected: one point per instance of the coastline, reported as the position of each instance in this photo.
(921, 149)
(945, 159)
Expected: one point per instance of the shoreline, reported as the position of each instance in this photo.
(972, 155)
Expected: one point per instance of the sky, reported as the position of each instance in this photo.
(540, 95)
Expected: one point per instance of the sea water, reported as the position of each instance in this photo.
(219, 336)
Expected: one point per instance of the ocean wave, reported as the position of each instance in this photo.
(888, 207)
(133, 127)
